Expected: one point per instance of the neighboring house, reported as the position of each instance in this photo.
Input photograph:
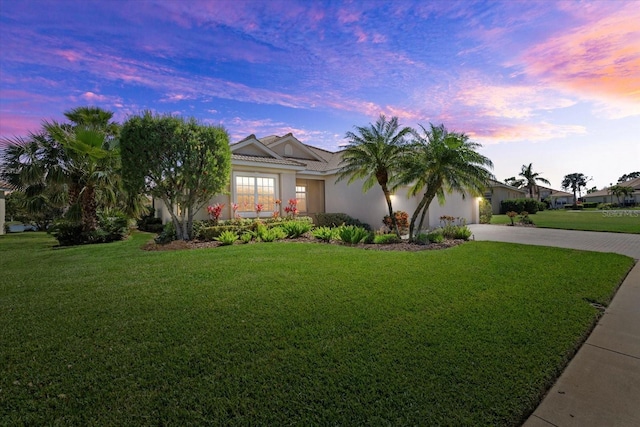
(4, 189)
(605, 195)
(557, 199)
(282, 168)
(500, 191)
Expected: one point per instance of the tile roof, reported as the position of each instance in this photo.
(269, 160)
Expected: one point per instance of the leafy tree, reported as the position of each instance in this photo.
(621, 190)
(514, 182)
(629, 176)
(531, 179)
(177, 161)
(592, 190)
(575, 181)
(442, 162)
(373, 154)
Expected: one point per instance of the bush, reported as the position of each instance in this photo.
(385, 239)
(605, 206)
(294, 229)
(524, 218)
(352, 234)
(167, 235)
(486, 212)
(518, 205)
(435, 236)
(149, 222)
(246, 237)
(590, 205)
(338, 219)
(212, 232)
(575, 208)
(227, 238)
(325, 234)
(462, 232)
(402, 219)
(111, 227)
(270, 234)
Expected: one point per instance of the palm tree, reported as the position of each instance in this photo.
(92, 160)
(442, 162)
(575, 181)
(514, 182)
(373, 154)
(531, 178)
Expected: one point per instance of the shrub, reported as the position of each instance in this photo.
(112, 226)
(325, 234)
(149, 222)
(212, 232)
(352, 234)
(271, 234)
(227, 237)
(605, 206)
(524, 218)
(402, 219)
(590, 205)
(512, 215)
(486, 212)
(518, 205)
(575, 208)
(462, 232)
(167, 235)
(385, 239)
(435, 236)
(294, 229)
(246, 237)
(68, 233)
(338, 219)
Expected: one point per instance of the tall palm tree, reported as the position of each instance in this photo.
(531, 179)
(92, 161)
(575, 181)
(373, 154)
(442, 162)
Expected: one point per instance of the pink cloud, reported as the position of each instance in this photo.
(599, 60)
(532, 132)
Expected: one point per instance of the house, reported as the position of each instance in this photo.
(557, 199)
(281, 168)
(498, 192)
(605, 195)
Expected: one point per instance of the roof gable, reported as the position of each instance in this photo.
(251, 146)
(289, 146)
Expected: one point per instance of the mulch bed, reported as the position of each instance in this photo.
(404, 246)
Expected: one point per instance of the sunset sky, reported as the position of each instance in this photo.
(553, 83)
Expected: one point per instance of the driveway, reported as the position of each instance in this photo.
(601, 385)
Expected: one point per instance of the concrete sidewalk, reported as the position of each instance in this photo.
(601, 384)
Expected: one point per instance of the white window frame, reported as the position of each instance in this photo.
(268, 210)
(306, 199)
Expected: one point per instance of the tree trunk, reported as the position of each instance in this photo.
(387, 196)
(414, 217)
(89, 209)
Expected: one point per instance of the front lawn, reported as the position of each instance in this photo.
(618, 221)
(289, 333)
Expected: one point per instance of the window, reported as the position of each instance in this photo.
(252, 190)
(301, 197)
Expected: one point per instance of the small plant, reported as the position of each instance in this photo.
(462, 232)
(259, 207)
(167, 235)
(385, 239)
(524, 218)
(512, 215)
(227, 238)
(435, 236)
(295, 229)
(292, 208)
(402, 219)
(246, 237)
(271, 234)
(326, 234)
(215, 212)
(234, 208)
(352, 234)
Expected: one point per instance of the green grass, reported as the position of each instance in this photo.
(289, 333)
(624, 221)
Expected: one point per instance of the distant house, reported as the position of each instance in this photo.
(557, 199)
(281, 168)
(605, 195)
(498, 192)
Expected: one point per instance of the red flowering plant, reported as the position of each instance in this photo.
(234, 207)
(259, 208)
(402, 219)
(292, 208)
(215, 212)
